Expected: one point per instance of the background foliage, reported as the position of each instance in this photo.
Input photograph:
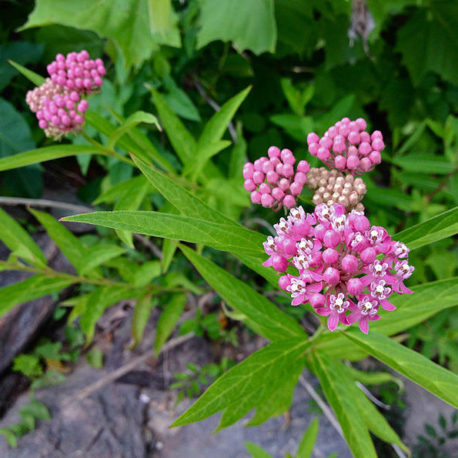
(308, 63)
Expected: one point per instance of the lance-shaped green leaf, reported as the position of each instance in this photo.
(180, 138)
(99, 254)
(132, 121)
(428, 299)
(185, 202)
(308, 440)
(71, 246)
(19, 241)
(176, 227)
(434, 378)
(47, 153)
(32, 288)
(249, 384)
(331, 375)
(437, 228)
(168, 319)
(256, 451)
(263, 316)
(217, 125)
(203, 154)
(35, 78)
(98, 301)
(142, 312)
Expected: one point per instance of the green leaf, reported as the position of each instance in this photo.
(29, 365)
(100, 254)
(217, 125)
(168, 251)
(424, 164)
(168, 320)
(186, 203)
(203, 154)
(428, 41)
(94, 357)
(332, 376)
(256, 451)
(19, 241)
(437, 228)
(262, 315)
(308, 440)
(10, 437)
(146, 272)
(71, 246)
(180, 138)
(249, 24)
(249, 384)
(47, 153)
(220, 236)
(35, 78)
(97, 302)
(37, 409)
(409, 363)
(374, 378)
(132, 26)
(32, 288)
(132, 121)
(142, 312)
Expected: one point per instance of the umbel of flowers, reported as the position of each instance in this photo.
(59, 103)
(345, 268)
(274, 181)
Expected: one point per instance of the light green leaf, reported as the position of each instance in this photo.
(130, 25)
(256, 451)
(146, 272)
(331, 375)
(132, 121)
(202, 156)
(409, 363)
(71, 246)
(99, 254)
(35, 78)
(142, 312)
(249, 384)
(94, 357)
(44, 154)
(279, 402)
(168, 251)
(120, 190)
(250, 24)
(223, 237)
(19, 241)
(168, 320)
(374, 420)
(263, 316)
(32, 288)
(374, 378)
(308, 440)
(424, 164)
(180, 138)
(97, 302)
(437, 228)
(217, 125)
(186, 203)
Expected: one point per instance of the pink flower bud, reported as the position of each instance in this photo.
(313, 149)
(255, 197)
(264, 188)
(331, 238)
(277, 194)
(353, 162)
(258, 177)
(288, 170)
(330, 256)
(279, 263)
(317, 300)
(349, 263)
(300, 178)
(378, 144)
(368, 255)
(355, 286)
(331, 276)
(375, 157)
(340, 162)
(360, 223)
(289, 201)
(312, 137)
(266, 200)
(323, 154)
(364, 148)
(272, 177)
(365, 164)
(303, 167)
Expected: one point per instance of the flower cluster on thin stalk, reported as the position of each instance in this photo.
(273, 181)
(344, 267)
(59, 103)
(347, 147)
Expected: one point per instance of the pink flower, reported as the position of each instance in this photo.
(347, 147)
(345, 266)
(274, 181)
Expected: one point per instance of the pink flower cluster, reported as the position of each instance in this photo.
(346, 268)
(347, 147)
(63, 113)
(77, 71)
(58, 103)
(273, 181)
